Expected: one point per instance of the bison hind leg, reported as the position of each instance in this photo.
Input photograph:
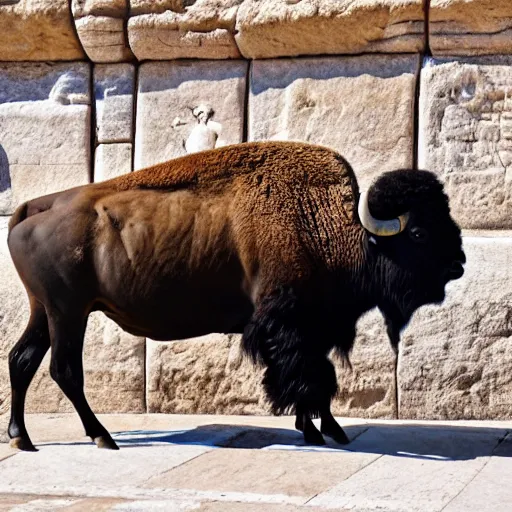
(66, 368)
(24, 360)
(298, 376)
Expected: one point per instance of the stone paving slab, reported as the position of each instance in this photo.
(250, 463)
(490, 489)
(266, 471)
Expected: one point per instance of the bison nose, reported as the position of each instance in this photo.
(456, 270)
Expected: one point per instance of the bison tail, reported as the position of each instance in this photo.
(18, 216)
(32, 207)
(298, 372)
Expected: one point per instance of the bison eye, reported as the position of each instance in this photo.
(419, 235)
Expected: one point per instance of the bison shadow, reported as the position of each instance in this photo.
(429, 442)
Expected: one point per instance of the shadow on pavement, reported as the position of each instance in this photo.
(430, 442)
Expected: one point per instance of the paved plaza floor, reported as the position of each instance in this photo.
(251, 463)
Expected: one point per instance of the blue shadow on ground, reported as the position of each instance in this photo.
(429, 442)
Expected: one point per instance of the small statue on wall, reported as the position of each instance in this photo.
(206, 132)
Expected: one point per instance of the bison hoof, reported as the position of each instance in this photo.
(336, 433)
(313, 437)
(106, 442)
(23, 443)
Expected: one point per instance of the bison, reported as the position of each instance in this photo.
(272, 240)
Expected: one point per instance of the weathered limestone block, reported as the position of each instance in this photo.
(203, 375)
(100, 25)
(177, 29)
(465, 136)
(211, 375)
(169, 95)
(276, 28)
(455, 360)
(112, 160)
(470, 27)
(114, 8)
(360, 106)
(38, 30)
(44, 130)
(368, 390)
(158, 6)
(113, 91)
(113, 362)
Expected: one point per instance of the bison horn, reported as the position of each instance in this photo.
(376, 226)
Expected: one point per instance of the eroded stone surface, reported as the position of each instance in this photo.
(114, 8)
(465, 135)
(167, 95)
(470, 27)
(455, 360)
(113, 91)
(112, 160)
(211, 375)
(103, 38)
(38, 30)
(275, 28)
(360, 106)
(100, 25)
(174, 29)
(44, 130)
(368, 390)
(203, 375)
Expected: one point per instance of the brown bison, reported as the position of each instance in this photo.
(263, 239)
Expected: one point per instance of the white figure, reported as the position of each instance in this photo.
(205, 134)
(65, 90)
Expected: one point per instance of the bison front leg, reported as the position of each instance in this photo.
(330, 427)
(66, 368)
(298, 374)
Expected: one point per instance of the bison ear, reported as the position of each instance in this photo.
(377, 226)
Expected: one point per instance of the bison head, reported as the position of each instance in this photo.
(415, 245)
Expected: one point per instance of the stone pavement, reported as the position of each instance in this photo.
(249, 463)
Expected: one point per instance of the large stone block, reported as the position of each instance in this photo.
(112, 160)
(114, 86)
(205, 375)
(103, 38)
(210, 375)
(361, 106)
(465, 135)
(470, 27)
(170, 29)
(100, 25)
(455, 360)
(113, 361)
(38, 30)
(44, 130)
(276, 28)
(167, 117)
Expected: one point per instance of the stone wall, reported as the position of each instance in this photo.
(90, 89)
